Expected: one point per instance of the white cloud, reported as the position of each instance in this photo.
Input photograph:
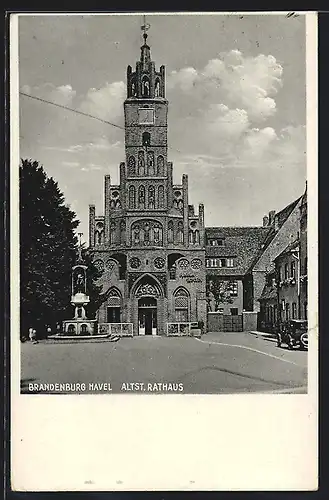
(249, 83)
(105, 102)
(185, 79)
(222, 110)
(225, 122)
(63, 94)
(257, 142)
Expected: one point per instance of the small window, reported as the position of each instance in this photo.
(146, 139)
(287, 312)
(229, 262)
(293, 269)
(294, 310)
(286, 271)
(234, 311)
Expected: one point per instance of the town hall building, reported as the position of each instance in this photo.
(150, 243)
(162, 270)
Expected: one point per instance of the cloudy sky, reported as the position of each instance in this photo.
(236, 90)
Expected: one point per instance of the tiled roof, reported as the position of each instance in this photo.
(243, 243)
(281, 217)
(292, 246)
(246, 244)
(268, 293)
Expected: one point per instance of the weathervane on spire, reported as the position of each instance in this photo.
(145, 26)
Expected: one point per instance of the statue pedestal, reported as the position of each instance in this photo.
(79, 326)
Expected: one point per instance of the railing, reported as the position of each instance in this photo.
(119, 329)
(178, 329)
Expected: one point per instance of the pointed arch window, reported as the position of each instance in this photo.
(180, 233)
(157, 88)
(98, 237)
(112, 233)
(160, 165)
(141, 163)
(170, 231)
(157, 234)
(151, 197)
(131, 165)
(132, 197)
(150, 163)
(141, 197)
(181, 299)
(145, 86)
(122, 232)
(161, 197)
(147, 233)
(136, 235)
(196, 237)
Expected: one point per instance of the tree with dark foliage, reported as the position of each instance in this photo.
(48, 250)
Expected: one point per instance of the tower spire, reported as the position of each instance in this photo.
(145, 26)
(145, 49)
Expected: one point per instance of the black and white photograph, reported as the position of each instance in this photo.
(164, 250)
(163, 204)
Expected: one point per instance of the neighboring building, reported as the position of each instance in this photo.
(284, 229)
(269, 310)
(288, 284)
(229, 254)
(149, 242)
(303, 257)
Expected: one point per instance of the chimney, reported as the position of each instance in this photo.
(265, 221)
(276, 222)
(271, 216)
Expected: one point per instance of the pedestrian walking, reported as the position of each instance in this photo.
(31, 334)
(34, 337)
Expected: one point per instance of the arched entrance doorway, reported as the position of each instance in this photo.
(147, 316)
(147, 294)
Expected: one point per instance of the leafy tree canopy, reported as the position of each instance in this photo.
(48, 245)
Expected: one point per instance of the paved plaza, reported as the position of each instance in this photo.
(221, 363)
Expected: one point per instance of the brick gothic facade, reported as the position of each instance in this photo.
(160, 265)
(149, 243)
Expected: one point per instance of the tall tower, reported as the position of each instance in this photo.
(146, 208)
(149, 243)
(145, 112)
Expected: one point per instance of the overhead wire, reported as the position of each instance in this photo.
(88, 115)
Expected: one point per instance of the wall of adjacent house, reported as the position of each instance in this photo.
(286, 234)
(287, 289)
(303, 263)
